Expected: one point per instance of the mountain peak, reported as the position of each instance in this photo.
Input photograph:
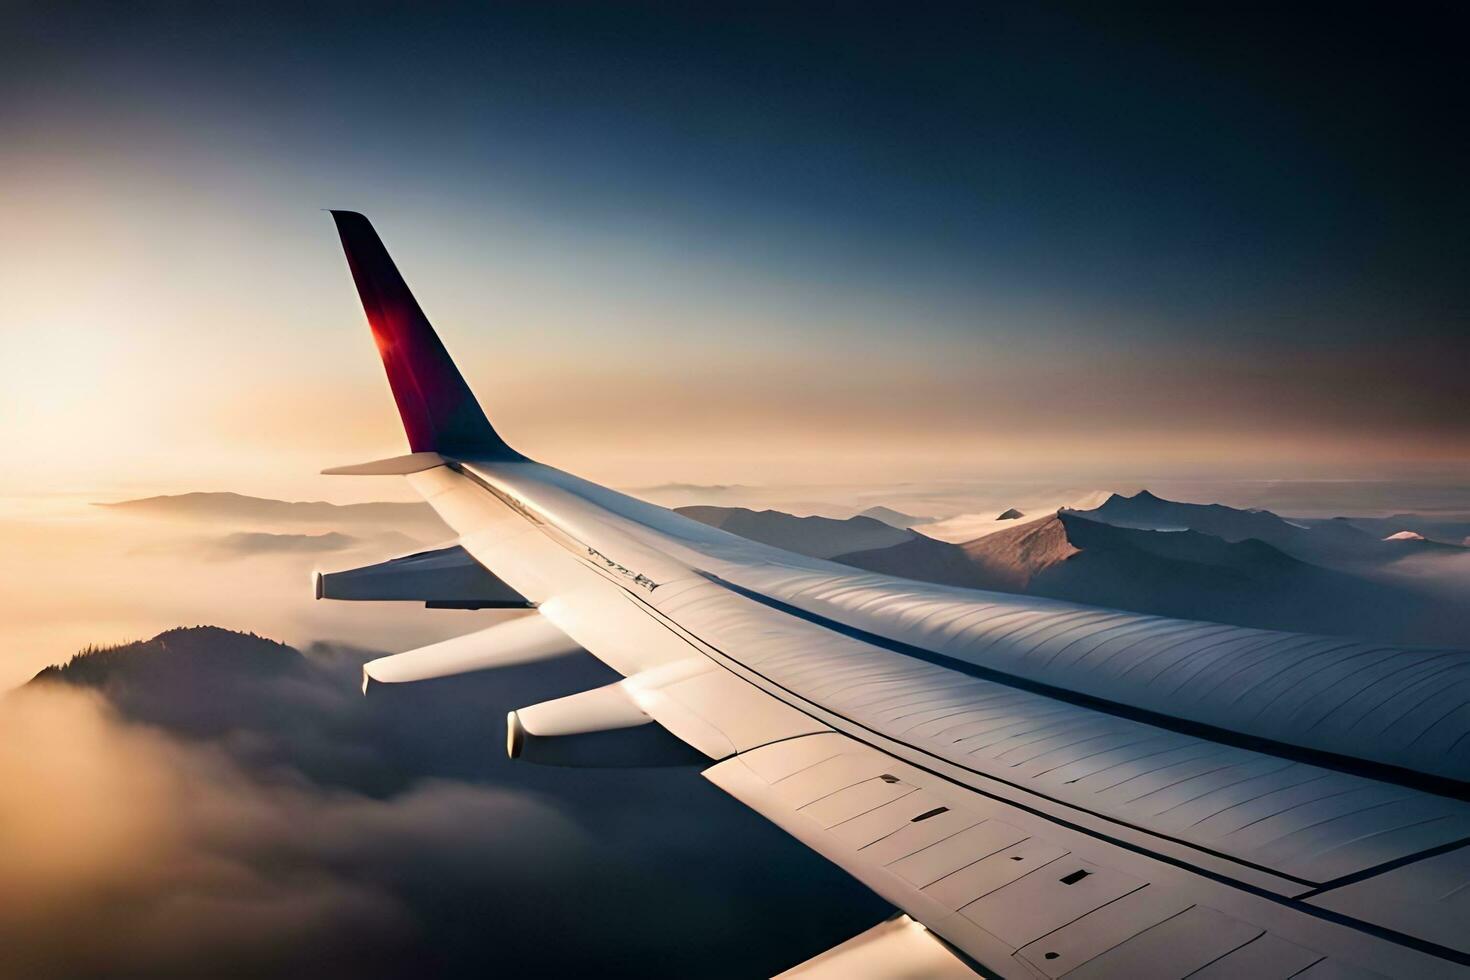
(895, 518)
(819, 537)
(176, 651)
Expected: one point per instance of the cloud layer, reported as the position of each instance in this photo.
(212, 803)
(132, 851)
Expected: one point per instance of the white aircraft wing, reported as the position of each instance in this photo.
(1043, 789)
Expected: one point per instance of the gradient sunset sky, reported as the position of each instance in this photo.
(786, 242)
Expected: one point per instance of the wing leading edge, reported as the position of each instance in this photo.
(1039, 824)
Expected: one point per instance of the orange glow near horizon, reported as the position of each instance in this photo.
(205, 346)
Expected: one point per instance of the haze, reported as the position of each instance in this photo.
(1013, 244)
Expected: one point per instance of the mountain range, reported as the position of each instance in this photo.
(1141, 552)
(1444, 530)
(1148, 554)
(896, 518)
(239, 508)
(1337, 541)
(818, 537)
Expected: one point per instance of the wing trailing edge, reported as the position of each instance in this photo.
(704, 706)
(898, 947)
(447, 578)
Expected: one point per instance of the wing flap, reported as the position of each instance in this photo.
(701, 704)
(1018, 893)
(448, 578)
(715, 711)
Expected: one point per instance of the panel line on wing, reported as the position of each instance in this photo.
(1438, 785)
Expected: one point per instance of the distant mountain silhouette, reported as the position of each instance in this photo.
(1443, 530)
(819, 537)
(1413, 543)
(1172, 573)
(694, 487)
(976, 524)
(207, 651)
(1332, 542)
(896, 518)
(203, 679)
(240, 508)
(273, 704)
(1242, 579)
(1005, 561)
(246, 543)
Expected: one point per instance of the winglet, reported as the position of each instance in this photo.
(439, 412)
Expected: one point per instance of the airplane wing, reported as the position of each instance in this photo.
(1043, 789)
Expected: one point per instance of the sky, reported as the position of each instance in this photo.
(753, 244)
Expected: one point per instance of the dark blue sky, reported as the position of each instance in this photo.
(1262, 210)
